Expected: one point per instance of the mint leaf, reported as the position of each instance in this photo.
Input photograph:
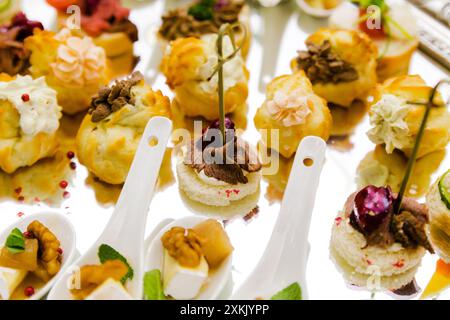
(106, 252)
(292, 292)
(202, 10)
(153, 289)
(15, 242)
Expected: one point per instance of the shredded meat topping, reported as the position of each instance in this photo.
(406, 228)
(322, 65)
(226, 162)
(112, 99)
(179, 23)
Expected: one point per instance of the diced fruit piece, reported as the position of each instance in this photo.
(183, 283)
(444, 189)
(216, 246)
(26, 260)
(439, 282)
(10, 279)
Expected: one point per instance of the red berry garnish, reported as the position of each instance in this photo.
(66, 194)
(25, 97)
(29, 291)
(18, 190)
(70, 155)
(21, 198)
(60, 251)
(63, 184)
(20, 214)
(27, 234)
(73, 165)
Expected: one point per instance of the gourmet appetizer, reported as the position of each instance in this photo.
(8, 8)
(15, 58)
(188, 261)
(390, 24)
(72, 65)
(189, 65)
(28, 260)
(438, 201)
(341, 65)
(107, 23)
(203, 17)
(380, 168)
(396, 113)
(110, 133)
(292, 109)
(376, 247)
(29, 119)
(104, 281)
(218, 174)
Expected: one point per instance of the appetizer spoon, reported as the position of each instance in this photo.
(155, 256)
(125, 230)
(284, 260)
(63, 229)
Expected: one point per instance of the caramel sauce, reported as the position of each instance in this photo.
(30, 281)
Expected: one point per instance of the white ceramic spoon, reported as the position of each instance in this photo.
(284, 260)
(63, 229)
(125, 230)
(155, 256)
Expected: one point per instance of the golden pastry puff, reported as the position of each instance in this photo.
(292, 108)
(74, 66)
(355, 75)
(396, 114)
(109, 135)
(190, 62)
(29, 119)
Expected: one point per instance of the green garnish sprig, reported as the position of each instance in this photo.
(106, 252)
(292, 292)
(203, 10)
(225, 30)
(15, 242)
(412, 159)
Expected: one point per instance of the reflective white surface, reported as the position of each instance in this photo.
(277, 34)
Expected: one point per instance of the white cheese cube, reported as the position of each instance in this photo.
(10, 279)
(110, 290)
(183, 283)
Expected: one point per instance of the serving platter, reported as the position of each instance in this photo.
(277, 33)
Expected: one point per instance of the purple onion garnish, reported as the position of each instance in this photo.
(371, 207)
(26, 26)
(208, 138)
(220, 4)
(229, 124)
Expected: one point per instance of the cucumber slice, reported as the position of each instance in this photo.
(444, 191)
(4, 5)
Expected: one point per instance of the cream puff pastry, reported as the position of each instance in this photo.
(29, 119)
(188, 65)
(110, 133)
(341, 65)
(295, 111)
(108, 23)
(438, 201)
(396, 36)
(74, 66)
(205, 17)
(374, 247)
(396, 114)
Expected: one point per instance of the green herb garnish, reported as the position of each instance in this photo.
(15, 242)
(444, 192)
(292, 292)
(203, 10)
(153, 288)
(106, 252)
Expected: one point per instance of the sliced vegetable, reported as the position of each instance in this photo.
(153, 289)
(106, 252)
(443, 190)
(292, 292)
